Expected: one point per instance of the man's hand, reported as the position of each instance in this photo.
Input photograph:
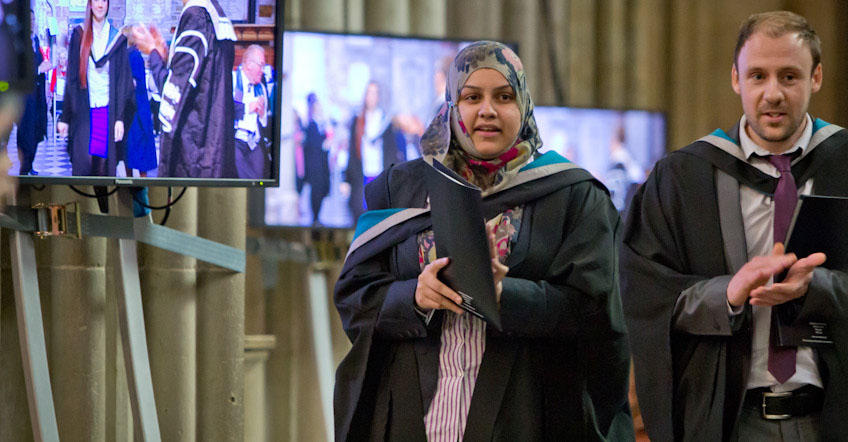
(792, 287)
(756, 273)
(62, 128)
(430, 293)
(146, 39)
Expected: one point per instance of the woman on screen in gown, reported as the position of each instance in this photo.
(141, 142)
(423, 369)
(99, 104)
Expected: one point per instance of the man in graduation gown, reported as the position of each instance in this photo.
(196, 81)
(252, 111)
(720, 317)
(33, 125)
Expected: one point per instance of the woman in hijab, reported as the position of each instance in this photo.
(420, 368)
(99, 103)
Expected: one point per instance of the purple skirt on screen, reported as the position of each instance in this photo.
(98, 144)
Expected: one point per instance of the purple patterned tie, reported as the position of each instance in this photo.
(781, 360)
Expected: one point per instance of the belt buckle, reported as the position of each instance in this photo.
(769, 394)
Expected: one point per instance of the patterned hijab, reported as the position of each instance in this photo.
(447, 139)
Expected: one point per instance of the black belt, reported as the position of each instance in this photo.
(785, 405)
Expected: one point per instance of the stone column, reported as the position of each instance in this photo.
(614, 56)
(389, 16)
(78, 329)
(428, 18)
(650, 48)
(221, 216)
(484, 23)
(322, 15)
(521, 23)
(169, 296)
(582, 54)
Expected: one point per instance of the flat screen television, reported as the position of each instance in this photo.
(355, 104)
(211, 142)
(619, 147)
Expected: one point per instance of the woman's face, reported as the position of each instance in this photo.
(489, 110)
(99, 8)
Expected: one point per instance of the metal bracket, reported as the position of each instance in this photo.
(52, 220)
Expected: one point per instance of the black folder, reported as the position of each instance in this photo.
(820, 224)
(460, 234)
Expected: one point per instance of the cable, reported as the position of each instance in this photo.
(91, 195)
(166, 206)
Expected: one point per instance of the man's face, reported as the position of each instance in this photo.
(775, 79)
(253, 67)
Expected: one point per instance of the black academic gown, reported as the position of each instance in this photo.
(691, 372)
(76, 108)
(197, 109)
(558, 371)
(32, 127)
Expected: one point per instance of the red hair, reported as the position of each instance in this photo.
(87, 39)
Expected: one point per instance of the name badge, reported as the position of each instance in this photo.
(818, 334)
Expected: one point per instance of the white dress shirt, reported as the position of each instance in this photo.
(758, 218)
(98, 78)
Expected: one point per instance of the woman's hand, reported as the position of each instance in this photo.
(62, 128)
(119, 131)
(499, 270)
(432, 294)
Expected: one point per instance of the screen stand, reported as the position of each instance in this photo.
(131, 319)
(31, 333)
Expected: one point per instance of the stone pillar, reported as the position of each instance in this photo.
(429, 18)
(220, 320)
(78, 330)
(650, 61)
(483, 24)
(322, 15)
(387, 16)
(521, 23)
(256, 351)
(169, 296)
(582, 54)
(614, 56)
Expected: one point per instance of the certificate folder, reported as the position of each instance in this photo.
(460, 234)
(820, 224)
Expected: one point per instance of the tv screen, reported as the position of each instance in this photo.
(151, 92)
(619, 147)
(355, 104)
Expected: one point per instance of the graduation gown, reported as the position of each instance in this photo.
(683, 240)
(76, 108)
(196, 112)
(32, 127)
(558, 371)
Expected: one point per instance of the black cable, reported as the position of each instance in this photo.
(91, 195)
(166, 206)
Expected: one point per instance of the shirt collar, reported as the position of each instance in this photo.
(749, 147)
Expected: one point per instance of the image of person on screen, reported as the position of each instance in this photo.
(315, 157)
(624, 172)
(99, 101)
(375, 144)
(196, 84)
(720, 314)
(32, 129)
(252, 112)
(141, 142)
(421, 367)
